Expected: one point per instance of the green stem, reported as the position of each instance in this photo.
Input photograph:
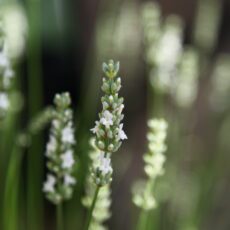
(35, 98)
(143, 219)
(10, 204)
(60, 217)
(92, 208)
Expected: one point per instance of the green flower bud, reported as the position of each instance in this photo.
(111, 69)
(114, 87)
(101, 132)
(101, 145)
(111, 99)
(110, 134)
(105, 87)
(111, 147)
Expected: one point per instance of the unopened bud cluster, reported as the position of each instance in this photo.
(101, 211)
(109, 129)
(6, 76)
(59, 151)
(154, 160)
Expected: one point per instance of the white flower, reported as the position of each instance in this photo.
(169, 48)
(96, 128)
(104, 164)
(158, 124)
(4, 62)
(69, 180)
(105, 105)
(157, 147)
(154, 165)
(49, 184)
(51, 146)
(4, 101)
(120, 108)
(67, 135)
(121, 134)
(68, 160)
(56, 124)
(107, 119)
(158, 161)
(8, 75)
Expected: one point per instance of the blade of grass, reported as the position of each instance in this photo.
(11, 193)
(35, 156)
(7, 136)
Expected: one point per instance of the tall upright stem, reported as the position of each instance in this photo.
(35, 157)
(143, 219)
(11, 191)
(59, 217)
(92, 208)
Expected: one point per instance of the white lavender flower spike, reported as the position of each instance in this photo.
(154, 160)
(108, 135)
(59, 151)
(108, 129)
(163, 43)
(49, 184)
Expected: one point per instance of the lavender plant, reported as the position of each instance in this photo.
(154, 159)
(108, 130)
(59, 151)
(23, 141)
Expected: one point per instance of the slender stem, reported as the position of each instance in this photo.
(35, 100)
(60, 217)
(143, 218)
(142, 222)
(92, 208)
(11, 193)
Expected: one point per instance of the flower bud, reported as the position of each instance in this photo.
(101, 145)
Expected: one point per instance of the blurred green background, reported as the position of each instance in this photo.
(59, 46)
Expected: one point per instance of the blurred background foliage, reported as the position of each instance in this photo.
(59, 46)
